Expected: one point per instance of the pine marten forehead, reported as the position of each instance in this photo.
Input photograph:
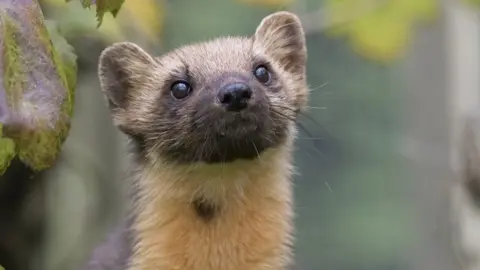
(210, 59)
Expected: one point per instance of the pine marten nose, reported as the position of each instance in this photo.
(235, 96)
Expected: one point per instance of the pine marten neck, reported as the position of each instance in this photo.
(232, 216)
(213, 126)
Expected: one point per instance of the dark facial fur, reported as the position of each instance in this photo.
(229, 113)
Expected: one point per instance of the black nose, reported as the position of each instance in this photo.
(235, 96)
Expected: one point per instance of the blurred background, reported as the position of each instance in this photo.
(379, 188)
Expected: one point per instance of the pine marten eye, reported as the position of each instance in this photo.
(180, 89)
(262, 74)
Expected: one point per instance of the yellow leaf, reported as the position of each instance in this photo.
(416, 9)
(377, 29)
(146, 15)
(380, 38)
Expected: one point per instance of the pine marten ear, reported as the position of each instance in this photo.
(123, 70)
(281, 36)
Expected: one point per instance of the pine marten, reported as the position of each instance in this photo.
(212, 127)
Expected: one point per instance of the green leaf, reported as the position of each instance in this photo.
(37, 79)
(7, 153)
(103, 6)
(65, 58)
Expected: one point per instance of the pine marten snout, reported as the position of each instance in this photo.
(217, 101)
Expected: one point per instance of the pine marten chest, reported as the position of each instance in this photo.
(248, 230)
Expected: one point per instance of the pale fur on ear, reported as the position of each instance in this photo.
(123, 68)
(281, 36)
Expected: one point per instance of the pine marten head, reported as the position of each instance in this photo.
(225, 99)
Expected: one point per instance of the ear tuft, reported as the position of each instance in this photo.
(123, 68)
(281, 36)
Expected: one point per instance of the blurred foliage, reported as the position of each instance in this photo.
(385, 28)
(37, 84)
(268, 3)
(102, 7)
(475, 3)
(193, 21)
(377, 29)
(141, 20)
(352, 213)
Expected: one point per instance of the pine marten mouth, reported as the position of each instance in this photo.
(249, 147)
(228, 140)
(221, 139)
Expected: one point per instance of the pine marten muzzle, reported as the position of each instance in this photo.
(228, 116)
(212, 125)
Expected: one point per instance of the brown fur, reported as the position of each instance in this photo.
(252, 230)
(192, 211)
